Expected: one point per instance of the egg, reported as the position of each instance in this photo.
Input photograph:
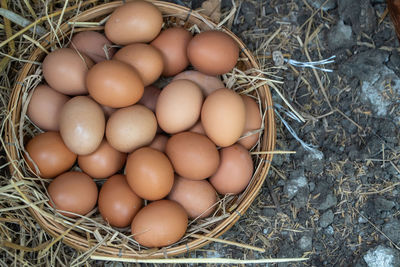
(93, 44)
(193, 156)
(159, 224)
(146, 59)
(45, 106)
(178, 106)
(114, 84)
(159, 142)
(234, 172)
(130, 128)
(150, 97)
(198, 128)
(118, 204)
(73, 192)
(103, 162)
(173, 43)
(223, 117)
(65, 71)
(82, 125)
(50, 154)
(149, 173)
(198, 198)
(134, 22)
(253, 122)
(207, 83)
(213, 52)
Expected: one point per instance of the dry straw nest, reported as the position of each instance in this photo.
(91, 233)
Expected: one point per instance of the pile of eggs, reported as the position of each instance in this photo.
(179, 148)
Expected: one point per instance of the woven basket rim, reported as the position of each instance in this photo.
(77, 241)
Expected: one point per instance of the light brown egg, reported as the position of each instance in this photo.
(103, 162)
(207, 83)
(213, 52)
(149, 173)
(198, 128)
(130, 128)
(253, 122)
(134, 22)
(65, 71)
(45, 107)
(159, 142)
(173, 43)
(198, 198)
(234, 172)
(118, 204)
(73, 192)
(50, 154)
(146, 59)
(82, 125)
(159, 224)
(193, 155)
(150, 96)
(114, 84)
(93, 44)
(178, 106)
(223, 116)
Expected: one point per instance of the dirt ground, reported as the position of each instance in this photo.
(336, 200)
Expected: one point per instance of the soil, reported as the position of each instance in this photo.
(337, 204)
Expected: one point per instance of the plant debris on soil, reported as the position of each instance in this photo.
(334, 201)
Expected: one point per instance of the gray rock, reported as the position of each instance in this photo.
(382, 256)
(340, 36)
(326, 219)
(327, 201)
(392, 230)
(383, 204)
(331, 4)
(329, 230)
(293, 185)
(359, 14)
(305, 242)
(314, 161)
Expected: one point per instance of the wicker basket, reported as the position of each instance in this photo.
(83, 240)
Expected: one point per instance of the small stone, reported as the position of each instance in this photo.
(340, 36)
(329, 230)
(392, 230)
(361, 219)
(329, 202)
(384, 205)
(311, 185)
(292, 186)
(331, 4)
(382, 256)
(305, 242)
(326, 219)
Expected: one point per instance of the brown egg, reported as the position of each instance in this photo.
(82, 125)
(253, 122)
(114, 84)
(118, 204)
(130, 128)
(73, 192)
(213, 52)
(234, 172)
(193, 155)
(178, 106)
(146, 59)
(65, 71)
(102, 163)
(134, 22)
(50, 154)
(159, 142)
(159, 224)
(149, 173)
(223, 116)
(45, 106)
(173, 43)
(150, 96)
(207, 83)
(198, 198)
(198, 128)
(93, 44)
